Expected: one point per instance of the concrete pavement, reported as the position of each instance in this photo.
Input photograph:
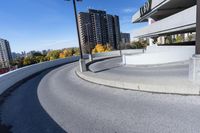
(61, 102)
(82, 107)
(168, 78)
(24, 113)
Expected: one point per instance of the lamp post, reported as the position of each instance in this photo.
(81, 61)
(88, 41)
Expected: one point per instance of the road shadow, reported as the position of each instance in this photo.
(21, 111)
(106, 69)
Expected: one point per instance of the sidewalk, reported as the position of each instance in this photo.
(170, 78)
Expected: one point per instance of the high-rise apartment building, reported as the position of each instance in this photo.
(110, 31)
(97, 27)
(117, 34)
(125, 38)
(5, 53)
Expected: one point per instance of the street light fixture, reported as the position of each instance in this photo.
(81, 61)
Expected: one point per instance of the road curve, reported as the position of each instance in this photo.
(82, 107)
(58, 101)
(23, 111)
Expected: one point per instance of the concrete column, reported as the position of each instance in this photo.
(151, 21)
(151, 42)
(194, 70)
(198, 28)
(186, 36)
(162, 38)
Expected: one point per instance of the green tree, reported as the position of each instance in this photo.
(37, 54)
(138, 44)
(179, 39)
(1, 65)
(54, 54)
(76, 51)
(18, 62)
(190, 37)
(168, 40)
(28, 61)
(39, 59)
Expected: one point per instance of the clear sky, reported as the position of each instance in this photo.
(50, 24)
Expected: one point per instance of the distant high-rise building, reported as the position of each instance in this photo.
(97, 27)
(5, 53)
(117, 34)
(85, 31)
(125, 39)
(110, 31)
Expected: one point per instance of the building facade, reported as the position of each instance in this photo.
(166, 18)
(98, 27)
(171, 20)
(5, 54)
(125, 38)
(117, 34)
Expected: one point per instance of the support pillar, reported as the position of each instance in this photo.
(151, 21)
(194, 72)
(194, 69)
(82, 65)
(151, 42)
(198, 29)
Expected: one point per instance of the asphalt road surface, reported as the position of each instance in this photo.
(59, 101)
(172, 74)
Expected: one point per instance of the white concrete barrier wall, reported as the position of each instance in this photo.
(161, 55)
(132, 51)
(9, 79)
(106, 54)
(117, 53)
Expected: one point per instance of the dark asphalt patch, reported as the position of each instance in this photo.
(5, 128)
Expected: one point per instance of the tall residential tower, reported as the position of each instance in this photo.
(97, 27)
(5, 54)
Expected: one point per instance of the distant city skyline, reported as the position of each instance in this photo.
(49, 24)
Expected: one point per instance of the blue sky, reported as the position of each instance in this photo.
(50, 24)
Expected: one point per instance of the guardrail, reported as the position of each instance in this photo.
(11, 78)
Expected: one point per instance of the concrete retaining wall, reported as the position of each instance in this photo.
(160, 55)
(11, 78)
(117, 53)
(186, 90)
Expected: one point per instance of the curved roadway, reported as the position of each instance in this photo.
(59, 101)
(171, 74)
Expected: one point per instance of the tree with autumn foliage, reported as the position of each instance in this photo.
(65, 53)
(99, 48)
(38, 57)
(69, 52)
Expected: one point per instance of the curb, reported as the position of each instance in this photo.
(194, 90)
(98, 60)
